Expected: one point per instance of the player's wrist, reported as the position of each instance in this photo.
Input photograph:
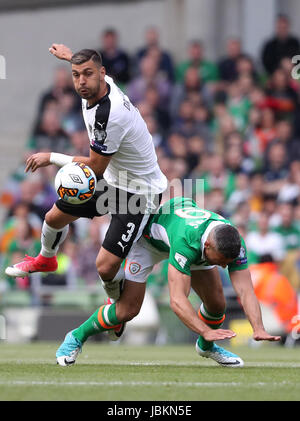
(60, 159)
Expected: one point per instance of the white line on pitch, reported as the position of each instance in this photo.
(145, 383)
(200, 363)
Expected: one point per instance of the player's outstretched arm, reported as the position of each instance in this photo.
(179, 287)
(242, 283)
(98, 163)
(61, 51)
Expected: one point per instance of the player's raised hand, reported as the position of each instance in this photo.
(41, 159)
(218, 335)
(61, 51)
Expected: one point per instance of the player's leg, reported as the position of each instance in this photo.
(130, 214)
(208, 286)
(54, 231)
(110, 317)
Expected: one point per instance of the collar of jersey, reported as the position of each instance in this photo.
(212, 225)
(102, 99)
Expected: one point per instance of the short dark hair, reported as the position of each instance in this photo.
(227, 240)
(85, 55)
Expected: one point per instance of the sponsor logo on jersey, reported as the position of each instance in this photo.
(134, 268)
(181, 260)
(98, 146)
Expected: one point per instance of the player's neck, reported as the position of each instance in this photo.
(102, 92)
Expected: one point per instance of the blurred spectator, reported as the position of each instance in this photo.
(161, 114)
(114, 59)
(283, 44)
(208, 70)
(62, 83)
(185, 123)
(227, 65)
(191, 89)
(281, 97)
(215, 201)
(158, 139)
(263, 242)
(257, 192)
(152, 47)
(196, 147)
(216, 176)
(240, 194)
(290, 191)
(276, 168)
(149, 76)
(245, 66)
(287, 228)
(176, 145)
(238, 105)
(49, 135)
(263, 133)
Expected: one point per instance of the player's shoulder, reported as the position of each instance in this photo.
(120, 105)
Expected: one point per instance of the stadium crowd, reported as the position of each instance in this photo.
(233, 122)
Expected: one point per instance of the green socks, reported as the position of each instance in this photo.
(214, 321)
(103, 319)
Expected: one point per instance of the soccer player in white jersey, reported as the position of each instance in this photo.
(122, 152)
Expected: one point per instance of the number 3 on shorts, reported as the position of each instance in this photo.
(126, 237)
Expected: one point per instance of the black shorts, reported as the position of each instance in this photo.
(129, 216)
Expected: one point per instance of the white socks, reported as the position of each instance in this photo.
(51, 239)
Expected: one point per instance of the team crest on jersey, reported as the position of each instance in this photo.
(99, 132)
(99, 137)
(134, 268)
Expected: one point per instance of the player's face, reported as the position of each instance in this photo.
(87, 78)
(214, 257)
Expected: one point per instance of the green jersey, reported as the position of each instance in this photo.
(180, 228)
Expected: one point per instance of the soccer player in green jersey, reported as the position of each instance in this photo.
(194, 241)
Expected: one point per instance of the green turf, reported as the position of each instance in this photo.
(152, 373)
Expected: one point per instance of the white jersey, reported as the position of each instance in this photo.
(115, 127)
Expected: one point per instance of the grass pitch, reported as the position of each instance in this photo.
(110, 372)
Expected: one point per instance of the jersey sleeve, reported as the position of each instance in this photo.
(241, 262)
(181, 257)
(107, 133)
(107, 141)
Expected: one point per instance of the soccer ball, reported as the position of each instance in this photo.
(75, 183)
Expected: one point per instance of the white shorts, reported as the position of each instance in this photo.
(141, 259)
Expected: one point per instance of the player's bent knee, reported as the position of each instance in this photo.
(107, 271)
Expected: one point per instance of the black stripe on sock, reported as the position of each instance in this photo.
(58, 237)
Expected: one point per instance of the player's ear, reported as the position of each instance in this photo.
(102, 71)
